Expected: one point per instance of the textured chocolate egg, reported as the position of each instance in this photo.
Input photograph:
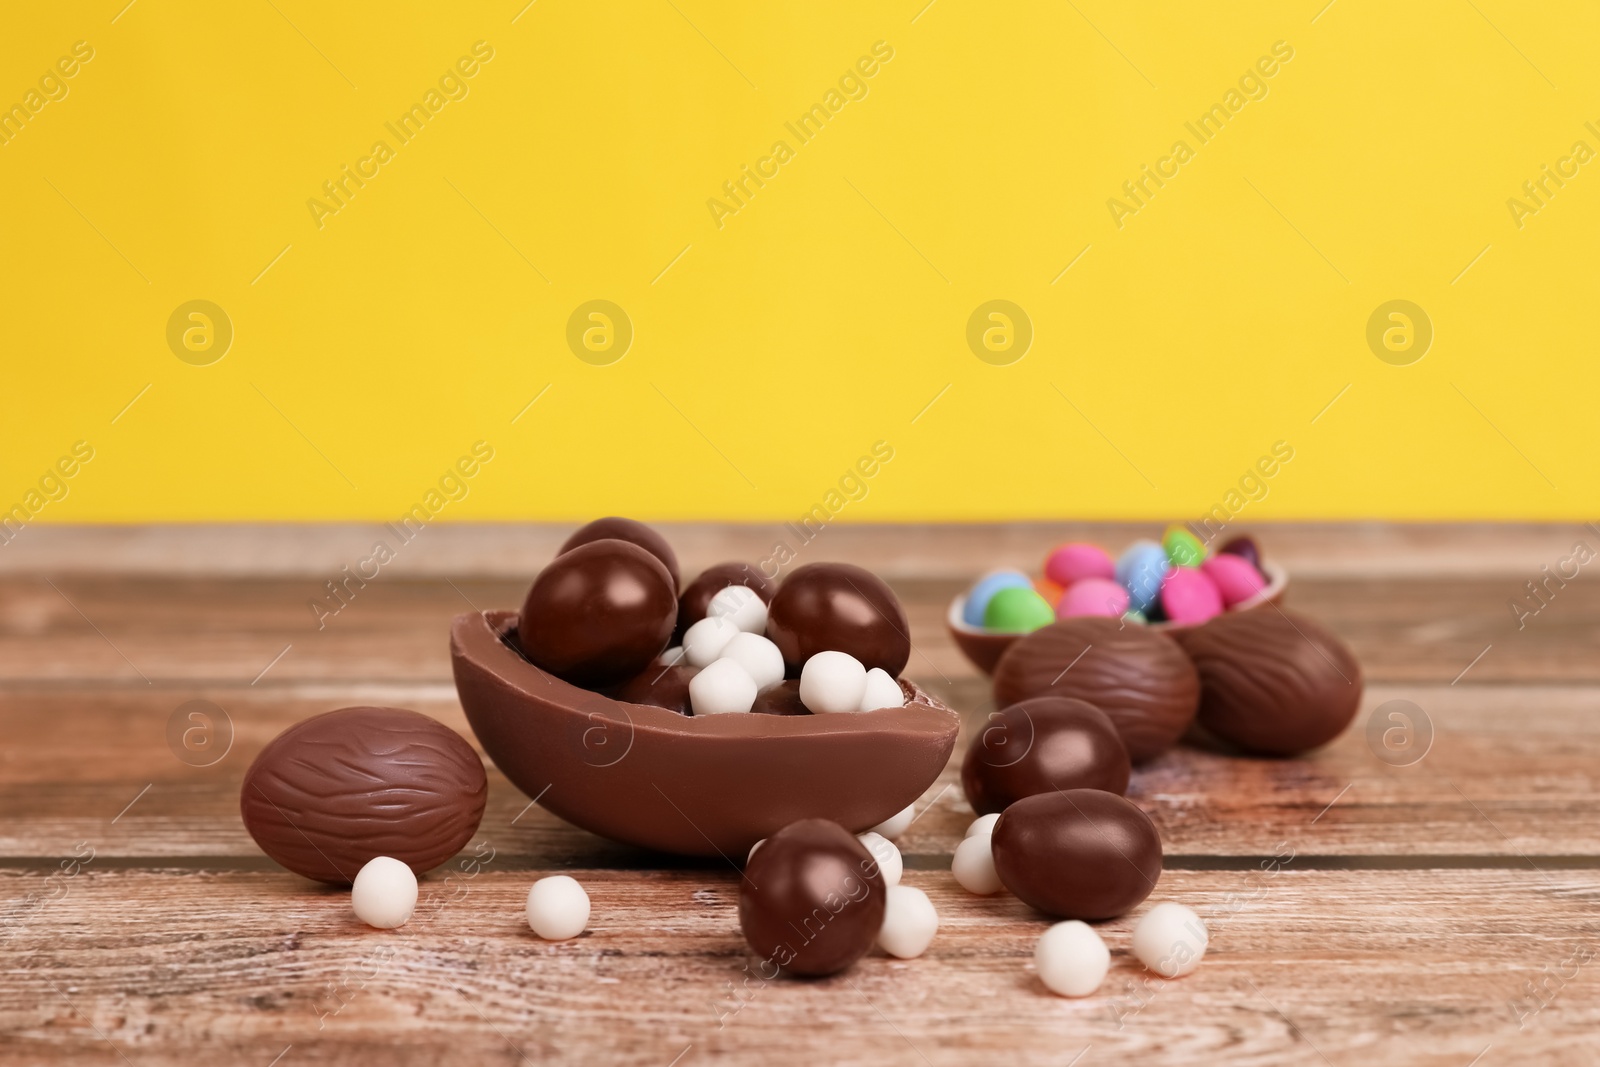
(332, 792)
(660, 687)
(598, 614)
(695, 600)
(812, 898)
(838, 607)
(630, 530)
(1271, 681)
(1079, 854)
(1138, 676)
(1041, 746)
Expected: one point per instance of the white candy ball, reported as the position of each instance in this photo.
(671, 657)
(973, 866)
(832, 682)
(753, 848)
(384, 893)
(984, 824)
(704, 641)
(888, 857)
(1071, 959)
(558, 908)
(722, 688)
(740, 605)
(759, 657)
(909, 922)
(882, 691)
(895, 825)
(1170, 939)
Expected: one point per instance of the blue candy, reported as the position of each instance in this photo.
(1140, 570)
(986, 587)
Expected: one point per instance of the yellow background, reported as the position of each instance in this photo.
(833, 307)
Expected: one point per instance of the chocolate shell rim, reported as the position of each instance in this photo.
(1277, 582)
(481, 638)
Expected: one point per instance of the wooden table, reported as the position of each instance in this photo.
(1441, 912)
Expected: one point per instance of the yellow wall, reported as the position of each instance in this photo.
(775, 345)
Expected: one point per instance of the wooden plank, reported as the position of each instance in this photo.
(1510, 771)
(1371, 967)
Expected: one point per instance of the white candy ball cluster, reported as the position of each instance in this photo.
(723, 687)
(836, 682)
(759, 657)
(736, 661)
(1071, 959)
(558, 908)
(740, 605)
(384, 893)
(704, 641)
(973, 865)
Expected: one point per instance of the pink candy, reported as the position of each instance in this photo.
(1093, 596)
(1189, 596)
(1234, 577)
(1074, 562)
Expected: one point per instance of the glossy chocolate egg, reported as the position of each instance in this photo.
(1244, 546)
(838, 607)
(696, 597)
(1138, 676)
(811, 901)
(1041, 746)
(1273, 682)
(1079, 854)
(632, 531)
(781, 699)
(598, 614)
(659, 686)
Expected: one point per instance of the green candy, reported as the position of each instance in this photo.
(1134, 616)
(1017, 610)
(1183, 548)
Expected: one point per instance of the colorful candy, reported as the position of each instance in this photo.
(1093, 596)
(979, 596)
(1074, 562)
(1189, 597)
(1182, 547)
(1234, 576)
(1017, 610)
(1140, 570)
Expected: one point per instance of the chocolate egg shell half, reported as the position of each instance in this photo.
(838, 607)
(1041, 746)
(1273, 682)
(811, 900)
(1138, 676)
(1079, 854)
(332, 792)
(696, 598)
(627, 530)
(705, 785)
(598, 614)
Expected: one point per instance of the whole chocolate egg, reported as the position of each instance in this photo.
(695, 600)
(812, 899)
(1078, 854)
(627, 530)
(838, 607)
(659, 686)
(1138, 676)
(341, 788)
(1271, 681)
(1041, 746)
(598, 614)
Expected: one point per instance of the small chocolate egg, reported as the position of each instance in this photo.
(598, 614)
(627, 530)
(660, 686)
(1041, 746)
(696, 597)
(1244, 546)
(781, 699)
(1077, 854)
(1139, 677)
(1271, 681)
(812, 899)
(838, 607)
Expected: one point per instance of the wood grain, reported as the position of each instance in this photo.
(1418, 903)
